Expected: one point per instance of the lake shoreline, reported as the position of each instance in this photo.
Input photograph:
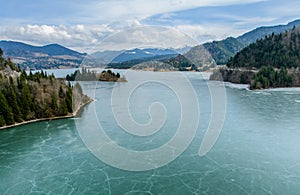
(247, 87)
(246, 77)
(74, 114)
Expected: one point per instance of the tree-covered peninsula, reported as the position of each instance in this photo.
(268, 63)
(28, 97)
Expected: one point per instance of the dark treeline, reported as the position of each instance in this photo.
(83, 75)
(26, 97)
(87, 75)
(268, 77)
(110, 76)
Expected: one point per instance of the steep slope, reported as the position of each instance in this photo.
(200, 57)
(221, 51)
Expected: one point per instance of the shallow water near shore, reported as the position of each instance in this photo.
(258, 151)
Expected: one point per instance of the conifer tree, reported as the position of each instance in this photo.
(12, 101)
(5, 110)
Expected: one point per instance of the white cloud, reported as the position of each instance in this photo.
(116, 36)
(144, 37)
(91, 38)
(80, 37)
(116, 10)
(208, 32)
(250, 21)
(111, 23)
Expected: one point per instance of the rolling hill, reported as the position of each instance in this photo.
(41, 57)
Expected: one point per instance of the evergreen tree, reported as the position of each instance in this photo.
(25, 100)
(63, 110)
(61, 92)
(54, 103)
(33, 96)
(5, 110)
(2, 121)
(69, 99)
(12, 101)
(275, 50)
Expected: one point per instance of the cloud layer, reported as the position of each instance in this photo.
(83, 25)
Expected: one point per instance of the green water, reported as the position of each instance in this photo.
(258, 151)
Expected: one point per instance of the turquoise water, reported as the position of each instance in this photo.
(258, 151)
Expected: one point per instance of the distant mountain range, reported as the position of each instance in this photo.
(223, 50)
(142, 53)
(261, 32)
(129, 58)
(57, 56)
(41, 57)
(220, 51)
(197, 58)
(136, 61)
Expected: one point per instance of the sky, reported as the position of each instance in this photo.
(84, 25)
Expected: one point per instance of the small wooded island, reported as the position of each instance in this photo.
(87, 75)
(271, 62)
(31, 97)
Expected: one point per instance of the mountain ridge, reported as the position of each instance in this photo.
(50, 49)
(260, 32)
(137, 53)
(41, 57)
(223, 50)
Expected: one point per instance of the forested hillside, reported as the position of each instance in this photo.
(269, 63)
(278, 51)
(25, 97)
(221, 51)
